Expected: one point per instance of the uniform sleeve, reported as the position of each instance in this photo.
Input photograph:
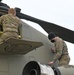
(19, 28)
(59, 48)
(1, 19)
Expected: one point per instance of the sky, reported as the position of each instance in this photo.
(60, 12)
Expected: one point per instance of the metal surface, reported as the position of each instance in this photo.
(17, 46)
(66, 70)
(35, 68)
(46, 70)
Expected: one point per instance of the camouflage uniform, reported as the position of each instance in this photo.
(10, 25)
(61, 52)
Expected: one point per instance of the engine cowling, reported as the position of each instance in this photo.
(36, 68)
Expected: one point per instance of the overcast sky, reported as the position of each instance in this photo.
(60, 12)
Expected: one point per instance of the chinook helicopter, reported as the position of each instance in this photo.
(22, 56)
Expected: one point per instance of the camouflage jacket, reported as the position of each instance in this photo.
(61, 49)
(9, 23)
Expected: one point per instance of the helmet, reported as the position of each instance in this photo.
(51, 35)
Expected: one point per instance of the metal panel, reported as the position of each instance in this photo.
(17, 46)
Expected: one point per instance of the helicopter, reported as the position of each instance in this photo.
(33, 46)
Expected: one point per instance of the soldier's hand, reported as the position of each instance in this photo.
(53, 50)
(51, 63)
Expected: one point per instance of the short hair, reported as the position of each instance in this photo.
(12, 11)
(51, 35)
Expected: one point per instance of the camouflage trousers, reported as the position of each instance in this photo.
(65, 59)
(7, 35)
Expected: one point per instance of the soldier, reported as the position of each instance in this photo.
(60, 50)
(10, 24)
